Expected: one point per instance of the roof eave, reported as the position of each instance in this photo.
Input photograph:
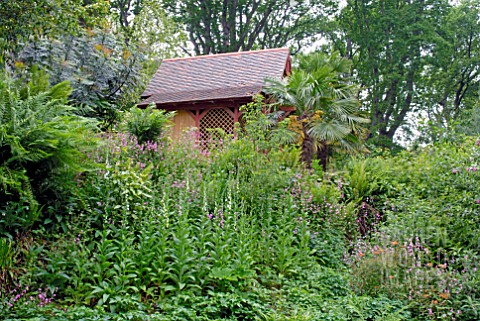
(198, 103)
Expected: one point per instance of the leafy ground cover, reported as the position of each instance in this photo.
(163, 230)
(173, 233)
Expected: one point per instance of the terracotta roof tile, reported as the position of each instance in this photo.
(231, 75)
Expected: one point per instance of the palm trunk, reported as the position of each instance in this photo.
(307, 148)
(322, 154)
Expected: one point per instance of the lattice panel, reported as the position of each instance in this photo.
(215, 118)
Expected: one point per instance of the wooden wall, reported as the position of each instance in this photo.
(182, 121)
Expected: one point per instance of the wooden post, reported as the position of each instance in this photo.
(236, 114)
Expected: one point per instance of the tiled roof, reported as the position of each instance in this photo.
(213, 77)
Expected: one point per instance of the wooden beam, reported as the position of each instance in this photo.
(221, 103)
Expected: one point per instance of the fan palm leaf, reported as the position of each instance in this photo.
(329, 132)
(320, 88)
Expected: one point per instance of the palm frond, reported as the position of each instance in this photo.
(324, 99)
(330, 132)
(284, 136)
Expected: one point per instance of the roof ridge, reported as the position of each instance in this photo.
(237, 53)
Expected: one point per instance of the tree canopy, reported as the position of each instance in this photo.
(413, 59)
(216, 26)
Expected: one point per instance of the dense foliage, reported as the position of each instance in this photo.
(168, 231)
(41, 143)
(148, 124)
(415, 59)
(326, 108)
(129, 224)
(215, 26)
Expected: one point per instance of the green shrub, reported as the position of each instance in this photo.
(425, 250)
(40, 141)
(102, 68)
(148, 124)
(143, 234)
(240, 232)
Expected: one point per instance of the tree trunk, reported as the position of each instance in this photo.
(322, 154)
(307, 148)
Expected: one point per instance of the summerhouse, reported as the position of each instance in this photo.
(207, 91)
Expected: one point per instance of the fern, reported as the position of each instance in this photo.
(40, 138)
(147, 124)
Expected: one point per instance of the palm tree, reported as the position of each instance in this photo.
(325, 105)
